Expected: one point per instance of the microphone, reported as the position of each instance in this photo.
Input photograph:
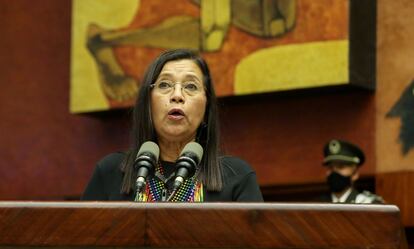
(187, 163)
(147, 158)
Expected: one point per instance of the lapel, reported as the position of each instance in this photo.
(352, 197)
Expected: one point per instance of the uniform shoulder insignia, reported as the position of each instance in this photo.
(368, 197)
(367, 193)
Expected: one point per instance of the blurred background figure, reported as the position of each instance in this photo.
(342, 161)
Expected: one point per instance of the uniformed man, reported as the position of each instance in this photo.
(342, 160)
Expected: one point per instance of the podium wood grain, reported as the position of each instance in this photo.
(195, 225)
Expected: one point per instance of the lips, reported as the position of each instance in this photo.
(176, 114)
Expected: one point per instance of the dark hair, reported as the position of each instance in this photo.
(210, 173)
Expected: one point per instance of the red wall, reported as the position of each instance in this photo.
(283, 136)
(47, 153)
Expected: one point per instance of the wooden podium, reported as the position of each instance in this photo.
(198, 225)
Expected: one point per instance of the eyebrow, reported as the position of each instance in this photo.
(187, 76)
(190, 76)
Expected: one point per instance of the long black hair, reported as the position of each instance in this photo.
(143, 130)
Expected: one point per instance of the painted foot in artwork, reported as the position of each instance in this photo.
(115, 83)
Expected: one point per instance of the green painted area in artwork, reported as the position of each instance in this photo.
(293, 67)
(85, 91)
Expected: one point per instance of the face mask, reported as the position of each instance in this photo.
(337, 182)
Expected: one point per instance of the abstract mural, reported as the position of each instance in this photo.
(252, 46)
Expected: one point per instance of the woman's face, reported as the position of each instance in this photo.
(178, 101)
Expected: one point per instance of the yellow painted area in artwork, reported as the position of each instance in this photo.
(292, 67)
(85, 92)
(215, 21)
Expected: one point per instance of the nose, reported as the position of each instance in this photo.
(177, 94)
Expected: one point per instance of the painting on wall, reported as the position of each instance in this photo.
(252, 46)
(404, 110)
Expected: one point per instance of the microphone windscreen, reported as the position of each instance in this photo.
(149, 147)
(193, 148)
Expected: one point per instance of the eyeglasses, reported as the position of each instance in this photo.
(165, 87)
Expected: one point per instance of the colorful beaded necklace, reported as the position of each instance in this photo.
(155, 190)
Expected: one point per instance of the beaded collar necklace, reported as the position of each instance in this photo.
(156, 189)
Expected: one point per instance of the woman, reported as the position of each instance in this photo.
(176, 105)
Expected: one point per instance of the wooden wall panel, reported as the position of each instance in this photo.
(395, 74)
(395, 179)
(397, 188)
